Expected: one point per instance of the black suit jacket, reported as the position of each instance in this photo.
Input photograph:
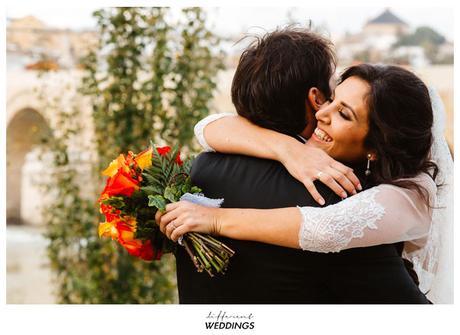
(262, 273)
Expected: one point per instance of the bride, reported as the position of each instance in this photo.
(380, 122)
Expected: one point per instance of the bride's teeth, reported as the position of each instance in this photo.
(322, 135)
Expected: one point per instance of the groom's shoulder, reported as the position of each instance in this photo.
(207, 161)
(212, 166)
(228, 169)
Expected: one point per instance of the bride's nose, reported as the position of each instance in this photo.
(323, 114)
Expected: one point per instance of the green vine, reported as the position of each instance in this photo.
(149, 78)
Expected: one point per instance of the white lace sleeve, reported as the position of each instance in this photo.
(199, 129)
(380, 215)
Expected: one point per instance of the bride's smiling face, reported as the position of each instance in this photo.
(343, 122)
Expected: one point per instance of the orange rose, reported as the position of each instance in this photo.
(124, 231)
(109, 212)
(141, 249)
(120, 184)
(135, 247)
(144, 159)
(108, 229)
(115, 165)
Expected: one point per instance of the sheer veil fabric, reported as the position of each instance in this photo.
(434, 261)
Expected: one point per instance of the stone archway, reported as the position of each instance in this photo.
(24, 132)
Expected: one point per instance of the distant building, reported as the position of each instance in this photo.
(29, 40)
(33, 45)
(374, 43)
(384, 30)
(386, 25)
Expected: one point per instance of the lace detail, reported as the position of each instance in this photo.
(199, 129)
(331, 228)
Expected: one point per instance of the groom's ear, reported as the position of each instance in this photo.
(316, 98)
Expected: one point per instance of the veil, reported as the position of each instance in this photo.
(434, 261)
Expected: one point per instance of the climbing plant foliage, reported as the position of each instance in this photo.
(151, 76)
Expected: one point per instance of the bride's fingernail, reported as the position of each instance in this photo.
(344, 195)
(359, 187)
(321, 201)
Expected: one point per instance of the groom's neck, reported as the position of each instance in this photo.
(298, 137)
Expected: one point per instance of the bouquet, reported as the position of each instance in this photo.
(138, 186)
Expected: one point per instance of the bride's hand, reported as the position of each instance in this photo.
(306, 163)
(183, 217)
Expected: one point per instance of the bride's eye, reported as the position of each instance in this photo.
(343, 115)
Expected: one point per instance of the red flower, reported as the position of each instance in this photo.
(109, 212)
(121, 183)
(135, 247)
(178, 160)
(124, 230)
(138, 248)
(141, 249)
(165, 150)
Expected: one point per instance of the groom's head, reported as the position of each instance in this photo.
(282, 78)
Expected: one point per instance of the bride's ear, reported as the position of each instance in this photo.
(316, 98)
(372, 156)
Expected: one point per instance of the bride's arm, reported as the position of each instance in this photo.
(380, 215)
(229, 133)
(233, 134)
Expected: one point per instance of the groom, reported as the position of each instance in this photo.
(279, 83)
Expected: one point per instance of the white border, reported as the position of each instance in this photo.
(271, 319)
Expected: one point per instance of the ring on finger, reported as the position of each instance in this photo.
(319, 174)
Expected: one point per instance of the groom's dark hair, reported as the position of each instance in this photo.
(275, 73)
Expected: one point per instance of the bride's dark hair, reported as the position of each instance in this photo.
(400, 121)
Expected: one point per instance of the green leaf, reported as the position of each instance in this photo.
(195, 189)
(151, 190)
(170, 193)
(157, 201)
(116, 202)
(185, 188)
(174, 152)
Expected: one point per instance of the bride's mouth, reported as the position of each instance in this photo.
(321, 135)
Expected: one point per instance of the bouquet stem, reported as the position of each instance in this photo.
(207, 253)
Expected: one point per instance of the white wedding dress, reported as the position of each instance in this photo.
(380, 215)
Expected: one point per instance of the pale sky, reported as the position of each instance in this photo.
(234, 20)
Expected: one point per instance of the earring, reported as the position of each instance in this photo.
(368, 168)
